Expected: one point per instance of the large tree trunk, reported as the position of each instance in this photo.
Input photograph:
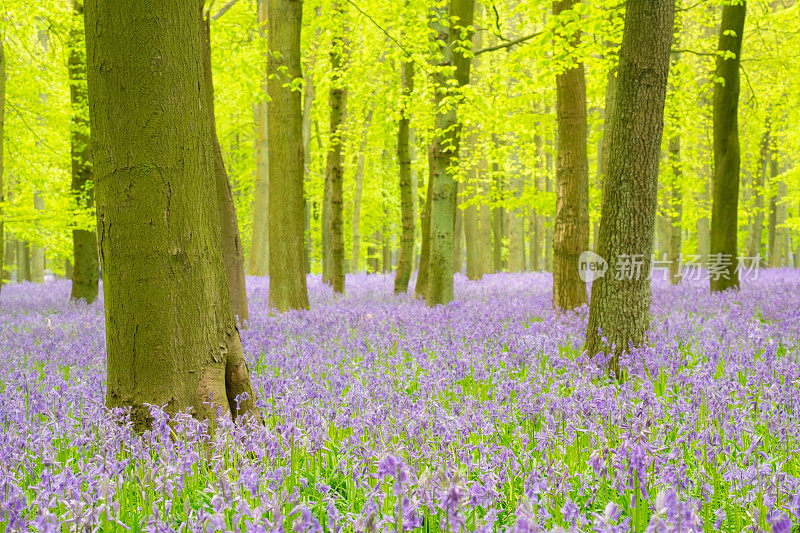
(287, 287)
(258, 264)
(232, 253)
(406, 251)
(85, 271)
(571, 231)
(334, 170)
(725, 202)
(444, 154)
(170, 329)
(619, 315)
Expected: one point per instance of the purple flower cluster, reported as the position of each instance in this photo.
(384, 415)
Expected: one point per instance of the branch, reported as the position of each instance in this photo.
(403, 48)
(695, 52)
(509, 44)
(224, 9)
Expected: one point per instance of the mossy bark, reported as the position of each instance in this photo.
(619, 314)
(571, 230)
(287, 287)
(406, 251)
(725, 199)
(85, 271)
(171, 333)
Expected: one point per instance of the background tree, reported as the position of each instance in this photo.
(258, 264)
(2, 131)
(406, 252)
(171, 333)
(571, 230)
(334, 171)
(85, 269)
(287, 287)
(725, 207)
(619, 314)
(232, 254)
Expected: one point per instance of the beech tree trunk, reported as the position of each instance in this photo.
(23, 261)
(619, 314)
(258, 263)
(516, 219)
(471, 223)
(232, 253)
(36, 255)
(406, 252)
(725, 202)
(676, 210)
(458, 230)
(85, 271)
(287, 287)
(334, 170)
(421, 286)
(754, 247)
(444, 154)
(361, 158)
(485, 223)
(171, 333)
(498, 214)
(571, 230)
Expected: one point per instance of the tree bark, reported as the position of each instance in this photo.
(516, 219)
(754, 247)
(421, 287)
(406, 252)
(458, 230)
(444, 154)
(287, 287)
(85, 271)
(470, 216)
(334, 170)
(258, 263)
(171, 333)
(36, 255)
(676, 210)
(232, 253)
(485, 226)
(498, 214)
(619, 315)
(571, 230)
(361, 159)
(23, 261)
(725, 200)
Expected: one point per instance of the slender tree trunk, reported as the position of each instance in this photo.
(725, 204)
(444, 154)
(458, 230)
(676, 210)
(754, 248)
(571, 231)
(258, 264)
(421, 287)
(406, 251)
(778, 214)
(471, 221)
(537, 261)
(171, 332)
(360, 185)
(85, 272)
(498, 214)
(309, 93)
(287, 287)
(232, 253)
(548, 184)
(334, 170)
(485, 210)
(516, 220)
(619, 315)
(36, 256)
(23, 261)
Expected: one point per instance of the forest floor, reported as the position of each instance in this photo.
(384, 415)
